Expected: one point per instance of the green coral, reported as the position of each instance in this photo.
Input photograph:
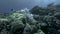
(44, 21)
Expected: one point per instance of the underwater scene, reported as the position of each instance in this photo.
(29, 16)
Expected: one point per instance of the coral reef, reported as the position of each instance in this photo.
(37, 20)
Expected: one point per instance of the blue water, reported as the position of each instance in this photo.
(6, 5)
